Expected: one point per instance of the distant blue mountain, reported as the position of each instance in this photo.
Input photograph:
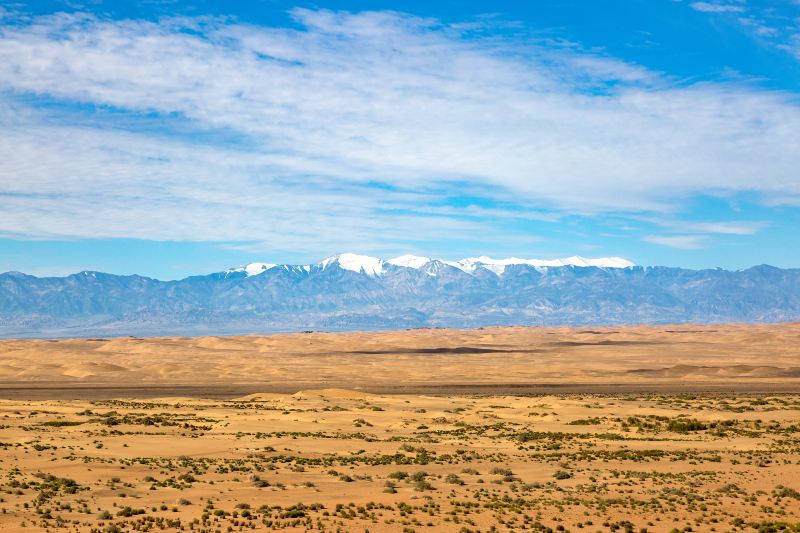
(349, 292)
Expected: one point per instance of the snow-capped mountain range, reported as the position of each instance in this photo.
(374, 266)
(350, 291)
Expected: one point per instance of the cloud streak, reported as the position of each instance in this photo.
(774, 26)
(714, 7)
(682, 242)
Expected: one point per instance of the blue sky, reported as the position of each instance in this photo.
(176, 138)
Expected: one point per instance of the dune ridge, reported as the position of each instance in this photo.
(731, 355)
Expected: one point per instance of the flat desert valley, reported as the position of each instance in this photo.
(664, 428)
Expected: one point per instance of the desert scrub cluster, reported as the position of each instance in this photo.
(685, 462)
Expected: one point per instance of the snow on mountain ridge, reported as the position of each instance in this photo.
(374, 266)
(252, 269)
(410, 261)
(498, 266)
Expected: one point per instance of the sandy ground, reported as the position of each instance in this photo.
(492, 360)
(86, 444)
(328, 460)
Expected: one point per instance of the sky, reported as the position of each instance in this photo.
(171, 138)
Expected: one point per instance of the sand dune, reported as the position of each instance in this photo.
(681, 356)
(729, 371)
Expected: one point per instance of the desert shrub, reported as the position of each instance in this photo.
(61, 423)
(785, 492)
(419, 476)
(685, 425)
(258, 482)
(129, 511)
(585, 422)
(422, 485)
(453, 479)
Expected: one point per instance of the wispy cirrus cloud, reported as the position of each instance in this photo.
(723, 228)
(727, 227)
(776, 26)
(688, 235)
(352, 128)
(682, 242)
(718, 7)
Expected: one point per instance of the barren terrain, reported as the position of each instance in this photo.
(491, 360)
(462, 431)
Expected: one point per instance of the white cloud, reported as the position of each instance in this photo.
(726, 228)
(774, 26)
(709, 7)
(792, 42)
(305, 120)
(738, 227)
(683, 242)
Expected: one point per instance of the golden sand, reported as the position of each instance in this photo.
(500, 360)
(269, 453)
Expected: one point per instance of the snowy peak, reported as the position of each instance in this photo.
(252, 269)
(409, 261)
(371, 266)
(471, 264)
(498, 266)
(600, 262)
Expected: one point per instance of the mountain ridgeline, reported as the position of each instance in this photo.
(350, 292)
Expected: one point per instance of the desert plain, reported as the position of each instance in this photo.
(662, 428)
